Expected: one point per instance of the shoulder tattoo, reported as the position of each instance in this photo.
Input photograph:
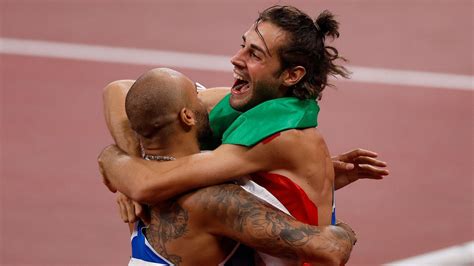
(168, 222)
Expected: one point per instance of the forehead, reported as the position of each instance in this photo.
(273, 36)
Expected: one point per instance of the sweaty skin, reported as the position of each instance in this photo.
(180, 227)
(208, 217)
(300, 155)
(139, 179)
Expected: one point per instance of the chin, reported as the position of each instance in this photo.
(238, 105)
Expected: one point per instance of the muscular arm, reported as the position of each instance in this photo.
(114, 95)
(224, 164)
(229, 211)
(148, 182)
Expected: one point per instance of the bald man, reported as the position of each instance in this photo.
(164, 111)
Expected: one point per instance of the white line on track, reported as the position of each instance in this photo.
(456, 255)
(215, 62)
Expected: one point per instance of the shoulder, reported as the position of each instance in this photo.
(298, 136)
(293, 146)
(291, 136)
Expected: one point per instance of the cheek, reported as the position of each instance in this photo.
(256, 70)
(266, 89)
(267, 74)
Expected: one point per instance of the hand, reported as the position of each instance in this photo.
(347, 239)
(352, 234)
(357, 164)
(131, 211)
(104, 156)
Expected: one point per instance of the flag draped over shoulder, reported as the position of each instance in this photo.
(251, 127)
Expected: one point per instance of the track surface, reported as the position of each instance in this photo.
(55, 211)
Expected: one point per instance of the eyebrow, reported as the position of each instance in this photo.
(255, 47)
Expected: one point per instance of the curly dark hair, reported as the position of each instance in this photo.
(305, 46)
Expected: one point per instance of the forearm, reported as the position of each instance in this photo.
(118, 170)
(324, 245)
(241, 216)
(151, 182)
(114, 95)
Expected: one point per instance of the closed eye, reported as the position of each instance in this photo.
(253, 54)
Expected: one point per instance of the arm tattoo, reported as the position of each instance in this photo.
(261, 226)
(168, 221)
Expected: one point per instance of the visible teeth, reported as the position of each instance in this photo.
(238, 77)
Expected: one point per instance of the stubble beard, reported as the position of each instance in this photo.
(204, 133)
(262, 92)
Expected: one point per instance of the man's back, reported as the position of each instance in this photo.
(178, 233)
(302, 157)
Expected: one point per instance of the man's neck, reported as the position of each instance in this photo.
(178, 146)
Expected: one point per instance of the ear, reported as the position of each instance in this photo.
(187, 117)
(293, 75)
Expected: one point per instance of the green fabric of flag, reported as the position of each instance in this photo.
(222, 116)
(262, 121)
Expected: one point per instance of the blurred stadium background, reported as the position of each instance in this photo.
(410, 99)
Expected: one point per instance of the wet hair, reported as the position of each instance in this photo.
(305, 46)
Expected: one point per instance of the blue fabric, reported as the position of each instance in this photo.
(141, 251)
(333, 215)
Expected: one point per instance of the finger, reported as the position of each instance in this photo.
(362, 152)
(339, 165)
(369, 169)
(138, 209)
(369, 160)
(350, 155)
(122, 211)
(130, 208)
(374, 177)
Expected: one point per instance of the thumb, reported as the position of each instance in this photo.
(138, 209)
(142, 212)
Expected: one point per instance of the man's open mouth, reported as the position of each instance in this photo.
(240, 85)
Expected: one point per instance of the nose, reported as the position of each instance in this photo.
(237, 60)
